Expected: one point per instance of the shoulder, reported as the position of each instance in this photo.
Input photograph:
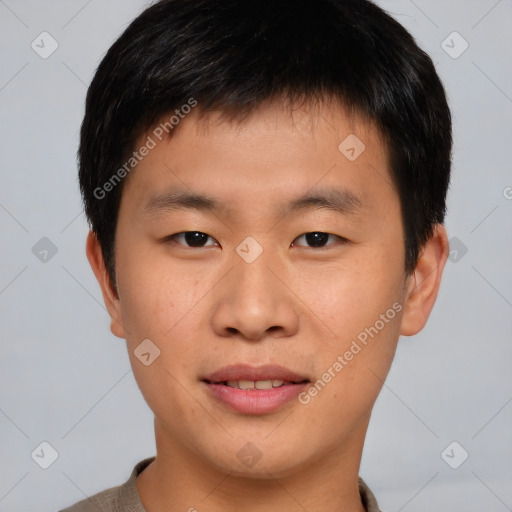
(106, 501)
(123, 498)
(367, 497)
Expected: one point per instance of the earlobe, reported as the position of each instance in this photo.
(423, 285)
(108, 290)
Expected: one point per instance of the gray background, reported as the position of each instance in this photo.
(66, 380)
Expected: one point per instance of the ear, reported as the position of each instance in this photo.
(423, 284)
(110, 297)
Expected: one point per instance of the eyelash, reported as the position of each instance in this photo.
(184, 233)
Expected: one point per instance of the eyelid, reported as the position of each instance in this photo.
(172, 238)
(338, 237)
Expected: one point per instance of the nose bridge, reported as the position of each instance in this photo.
(253, 284)
(253, 302)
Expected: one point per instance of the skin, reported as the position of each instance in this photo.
(296, 305)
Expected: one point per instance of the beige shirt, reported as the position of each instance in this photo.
(125, 498)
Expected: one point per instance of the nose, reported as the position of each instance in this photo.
(253, 303)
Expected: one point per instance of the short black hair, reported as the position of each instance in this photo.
(231, 56)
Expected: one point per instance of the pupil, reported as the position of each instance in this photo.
(317, 239)
(195, 238)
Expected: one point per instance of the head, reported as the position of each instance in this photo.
(269, 120)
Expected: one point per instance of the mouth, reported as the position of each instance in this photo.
(257, 384)
(243, 376)
(255, 390)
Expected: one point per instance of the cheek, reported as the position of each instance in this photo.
(353, 294)
(156, 297)
(163, 304)
(360, 302)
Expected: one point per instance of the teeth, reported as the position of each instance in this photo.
(251, 384)
(246, 384)
(263, 384)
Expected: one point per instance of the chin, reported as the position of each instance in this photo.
(259, 460)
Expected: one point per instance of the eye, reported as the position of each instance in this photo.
(317, 239)
(193, 239)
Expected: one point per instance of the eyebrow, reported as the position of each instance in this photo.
(341, 201)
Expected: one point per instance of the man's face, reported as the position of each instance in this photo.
(294, 257)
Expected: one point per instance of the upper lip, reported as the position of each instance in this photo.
(254, 373)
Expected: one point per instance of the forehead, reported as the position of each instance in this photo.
(282, 121)
(276, 151)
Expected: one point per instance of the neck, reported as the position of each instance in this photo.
(180, 480)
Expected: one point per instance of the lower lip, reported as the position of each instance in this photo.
(255, 401)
